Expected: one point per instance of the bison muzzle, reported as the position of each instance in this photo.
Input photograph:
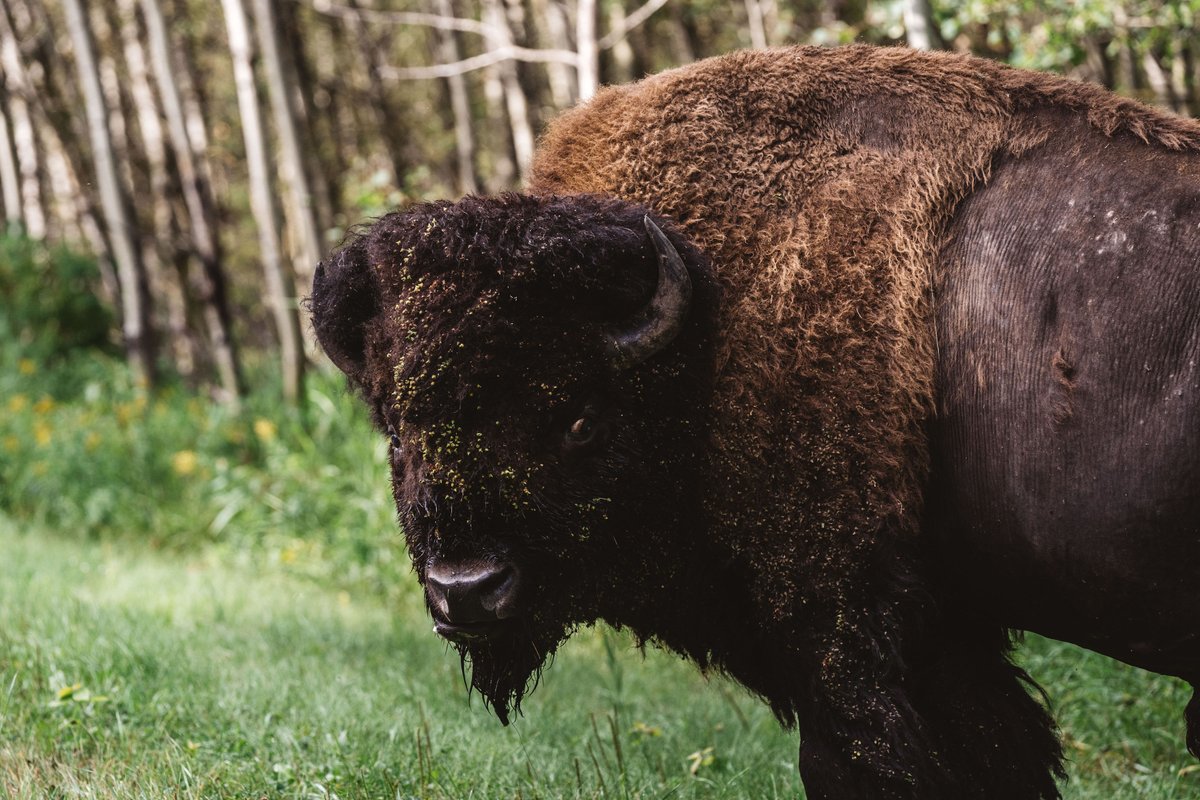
(824, 368)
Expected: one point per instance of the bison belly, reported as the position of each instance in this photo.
(1065, 494)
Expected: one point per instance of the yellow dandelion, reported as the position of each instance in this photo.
(44, 406)
(17, 403)
(264, 429)
(184, 462)
(123, 412)
(139, 403)
(12, 444)
(92, 441)
(26, 366)
(42, 433)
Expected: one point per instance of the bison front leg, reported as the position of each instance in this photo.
(954, 721)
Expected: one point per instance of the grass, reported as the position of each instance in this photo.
(128, 673)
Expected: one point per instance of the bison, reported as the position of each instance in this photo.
(825, 368)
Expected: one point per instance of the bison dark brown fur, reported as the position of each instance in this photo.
(844, 476)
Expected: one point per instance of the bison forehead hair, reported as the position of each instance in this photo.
(481, 334)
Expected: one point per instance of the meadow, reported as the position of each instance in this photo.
(200, 602)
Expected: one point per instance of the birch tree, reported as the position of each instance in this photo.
(135, 311)
(280, 90)
(208, 282)
(18, 96)
(460, 105)
(9, 181)
(280, 294)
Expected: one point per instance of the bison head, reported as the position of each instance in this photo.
(542, 367)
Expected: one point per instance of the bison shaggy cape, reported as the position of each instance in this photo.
(780, 444)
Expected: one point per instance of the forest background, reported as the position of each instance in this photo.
(196, 541)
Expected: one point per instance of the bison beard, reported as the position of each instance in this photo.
(504, 670)
(765, 464)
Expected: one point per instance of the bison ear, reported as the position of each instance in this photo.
(345, 299)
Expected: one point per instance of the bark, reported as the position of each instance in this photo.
(920, 30)
(551, 23)
(135, 304)
(498, 134)
(460, 105)
(9, 181)
(324, 180)
(389, 126)
(514, 95)
(19, 94)
(756, 23)
(166, 269)
(280, 91)
(621, 57)
(585, 45)
(280, 294)
(1160, 82)
(207, 284)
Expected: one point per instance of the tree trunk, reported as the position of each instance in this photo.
(514, 96)
(135, 319)
(325, 178)
(208, 282)
(551, 23)
(159, 243)
(756, 23)
(280, 91)
(24, 139)
(279, 284)
(621, 54)
(460, 105)
(585, 46)
(920, 31)
(9, 181)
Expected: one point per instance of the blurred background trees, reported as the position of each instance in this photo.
(208, 154)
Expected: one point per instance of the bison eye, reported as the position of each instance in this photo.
(583, 429)
(584, 433)
(395, 439)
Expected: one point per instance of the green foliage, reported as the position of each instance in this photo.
(48, 299)
(87, 451)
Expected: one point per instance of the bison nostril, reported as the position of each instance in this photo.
(472, 592)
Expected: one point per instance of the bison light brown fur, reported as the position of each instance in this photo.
(792, 486)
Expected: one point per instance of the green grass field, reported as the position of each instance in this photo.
(130, 673)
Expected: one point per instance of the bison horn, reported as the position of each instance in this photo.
(660, 321)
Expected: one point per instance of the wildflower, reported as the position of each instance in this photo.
(42, 433)
(92, 441)
(264, 429)
(17, 403)
(44, 406)
(40, 469)
(26, 366)
(184, 462)
(11, 444)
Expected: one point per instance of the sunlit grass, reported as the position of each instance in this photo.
(125, 673)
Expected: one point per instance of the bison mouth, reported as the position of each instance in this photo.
(467, 632)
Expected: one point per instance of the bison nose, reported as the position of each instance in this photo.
(476, 592)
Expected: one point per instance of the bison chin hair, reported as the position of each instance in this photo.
(505, 670)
